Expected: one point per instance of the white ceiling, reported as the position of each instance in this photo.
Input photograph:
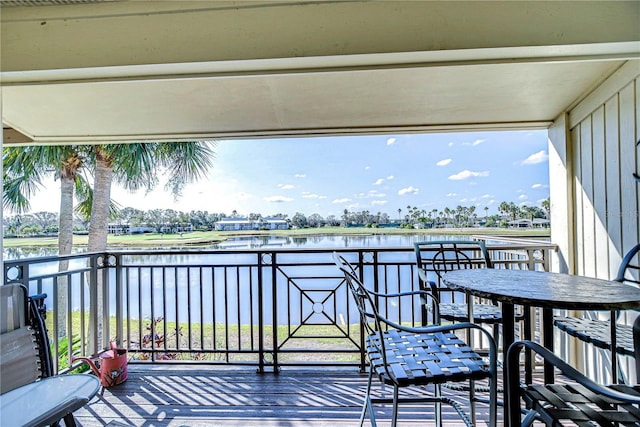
(463, 88)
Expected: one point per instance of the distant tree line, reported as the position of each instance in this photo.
(46, 223)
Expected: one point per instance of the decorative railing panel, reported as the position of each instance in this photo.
(265, 308)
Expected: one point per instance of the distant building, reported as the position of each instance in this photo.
(527, 223)
(127, 229)
(242, 224)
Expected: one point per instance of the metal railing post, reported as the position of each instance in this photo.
(93, 306)
(119, 301)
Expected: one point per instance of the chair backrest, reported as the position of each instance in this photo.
(19, 354)
(439, 257)
(629, 270)
(370, 319)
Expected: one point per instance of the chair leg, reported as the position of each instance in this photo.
(69, 421)
(394, 415)
(367, 404)
(529, 418)
(437, 390)
(472, 401)
(493, 400)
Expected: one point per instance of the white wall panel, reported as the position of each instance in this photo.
(599, 194)
(612, 179)
(604, 153)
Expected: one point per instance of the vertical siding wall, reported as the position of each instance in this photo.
(593, 154)
(603, 131)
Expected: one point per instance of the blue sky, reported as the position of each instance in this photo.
(379, 173)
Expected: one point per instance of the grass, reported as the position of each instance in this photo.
(217, 341)
(207, 238)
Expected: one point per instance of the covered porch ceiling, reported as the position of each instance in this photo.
(120, 71)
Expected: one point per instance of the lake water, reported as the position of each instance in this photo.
(180, 285)
(268, 242)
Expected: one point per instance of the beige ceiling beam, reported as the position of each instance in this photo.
(150, 33)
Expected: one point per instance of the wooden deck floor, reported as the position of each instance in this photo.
(213, 396)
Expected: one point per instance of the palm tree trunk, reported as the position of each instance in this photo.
(98, 239)
(65, 243)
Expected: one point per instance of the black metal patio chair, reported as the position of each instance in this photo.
(435, 258)
(402, 356)
(578, 401)
(597, 331)
(28, 396)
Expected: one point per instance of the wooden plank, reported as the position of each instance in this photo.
(612, 176)
(579, 200)
(588, 211)
(628, 165)
(601, 238)
(172, 395)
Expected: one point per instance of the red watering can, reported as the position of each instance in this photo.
(113, 366)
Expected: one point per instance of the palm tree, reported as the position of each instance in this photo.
(136, 166)
(546, 205)
(24, 168)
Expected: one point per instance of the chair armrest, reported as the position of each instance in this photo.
(424, 298)
(570, 372)
(423, 294)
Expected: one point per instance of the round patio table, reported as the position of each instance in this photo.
(545, 290)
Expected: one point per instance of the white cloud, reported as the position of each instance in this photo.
(367, 168)
(465, 174)
(379, 202)
(375, 193)
(286, 186)
(451, 144)
(391, 141)
(300, 175)
(534, 159)
(242, 196)
(343, 200)
(451, 195)
(474, 143)
(537, 186)
(278, 199)
(443, 162)
(307, 195)
(408, 190)
(523, 197)
(486, 196)
(378, 181)
(390, 177)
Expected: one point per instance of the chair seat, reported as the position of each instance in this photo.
(597, 332)
(559, 404)
(482, 313)
(419, 359)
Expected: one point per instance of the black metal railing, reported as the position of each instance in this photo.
(265, 308)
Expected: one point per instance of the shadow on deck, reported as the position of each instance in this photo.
(203, 396)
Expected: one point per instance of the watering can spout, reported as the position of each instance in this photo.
(92, 365)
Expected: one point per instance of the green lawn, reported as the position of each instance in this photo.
(235, 339)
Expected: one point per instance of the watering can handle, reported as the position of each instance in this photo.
(114, 347)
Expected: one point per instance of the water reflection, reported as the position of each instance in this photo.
(268, 242)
